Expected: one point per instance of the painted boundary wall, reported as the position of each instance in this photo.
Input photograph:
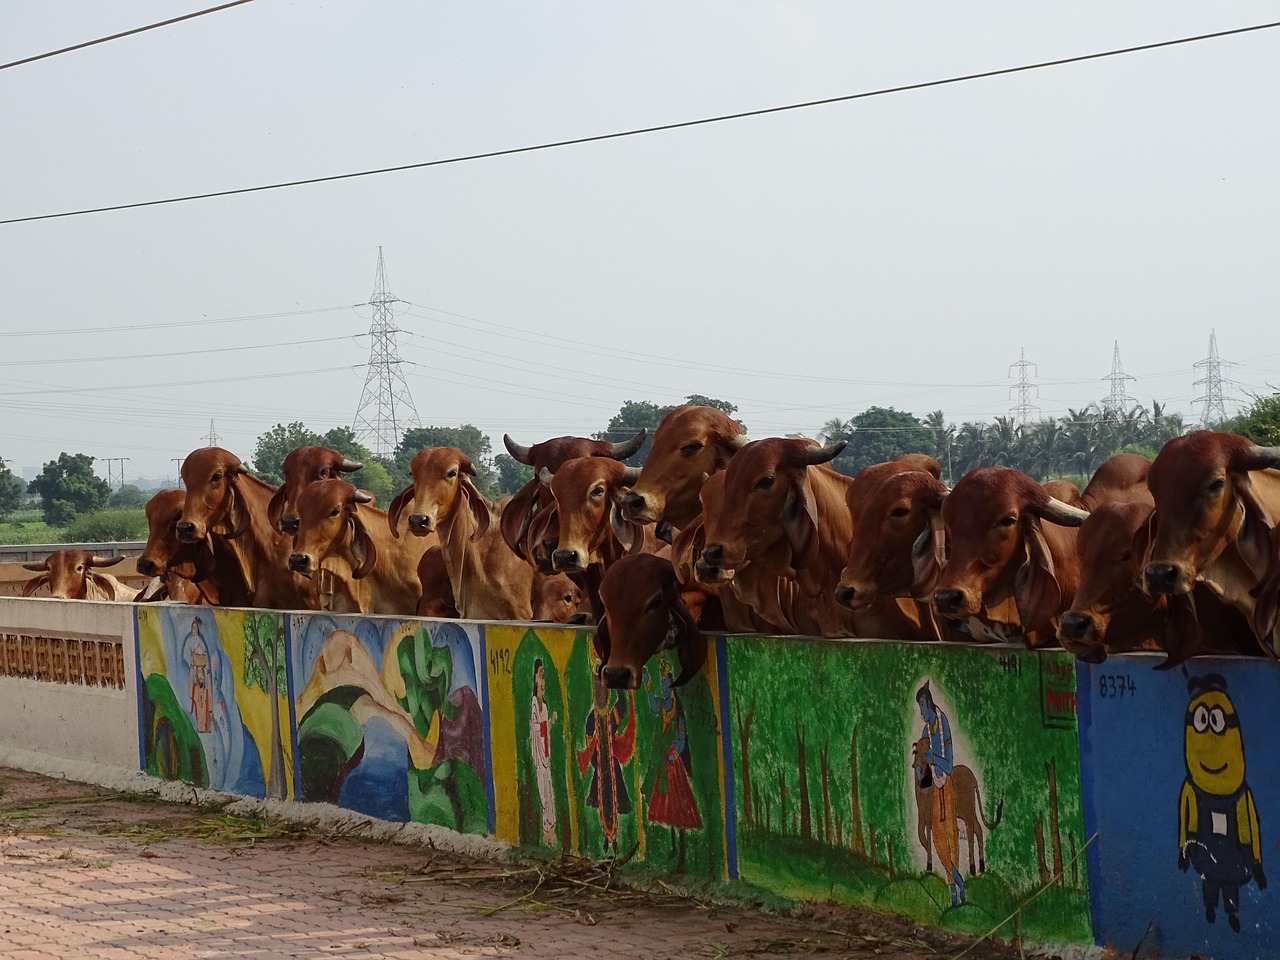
(1114, 805)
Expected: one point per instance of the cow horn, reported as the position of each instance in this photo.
(523, 454)
(41, 566)
(361, 497)
(104, 561)
(629, 477)
(815, 455)
(1262, 457)
(545, 476)
(628, 448)
(1063, 513)
(350, 466)
(734, 443)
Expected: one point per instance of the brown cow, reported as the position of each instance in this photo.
(690, 444)
(519, 513)
(488, 581)
(786, 512)
(1119, 479)
(556, 599)
(1217, 502)
(337, 522)
(302, 466)
(223, 500)
(204, 572)
(643, 614)
(71, 574)
(1007, 573)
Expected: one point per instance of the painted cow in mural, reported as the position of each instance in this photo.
(1217, 502)
(968, 807)
(72, 574)
(1008, 572)
(643, 615)
(488, 582)
(304, 465)
(531, 500)
(369, 570)
(690, 444)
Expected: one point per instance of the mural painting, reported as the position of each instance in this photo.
(634, 774)
(1185, 799)
(389, 718)
(213, 692)
(938, 782)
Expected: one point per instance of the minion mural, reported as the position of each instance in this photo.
(1218, 830)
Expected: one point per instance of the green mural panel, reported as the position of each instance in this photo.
(845, 792)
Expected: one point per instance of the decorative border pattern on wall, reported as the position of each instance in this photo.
(78, 660)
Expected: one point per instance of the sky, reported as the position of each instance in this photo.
(902, 250)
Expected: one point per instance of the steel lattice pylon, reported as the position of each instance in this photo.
(1215, 407)
(386, 407)
(1118, 402)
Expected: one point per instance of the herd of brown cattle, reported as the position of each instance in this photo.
(718, 533)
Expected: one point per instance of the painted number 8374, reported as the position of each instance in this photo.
(1116, 685)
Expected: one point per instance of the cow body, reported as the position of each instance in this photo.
(206, 572)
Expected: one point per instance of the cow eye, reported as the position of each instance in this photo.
(652, 605)
(597, 490)
(567, 598)
(764, 483)
(899, 511)
(451, 474)
(334, 512)
(1006, 521)
(216, 478)
(689, 449)
(1217, 485)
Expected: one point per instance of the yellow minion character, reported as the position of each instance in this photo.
(1217, 818)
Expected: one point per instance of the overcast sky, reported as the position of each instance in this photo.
(897, 251)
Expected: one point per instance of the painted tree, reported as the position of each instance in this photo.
(744, 741)
(855, 813)
(806, 823)
(264, 668)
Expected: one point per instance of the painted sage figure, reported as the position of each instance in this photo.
(540, 723)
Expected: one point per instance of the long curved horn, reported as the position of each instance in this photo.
(96, 561)
(349, 466)
(361, 497)
(523, 454)
(39, 566)
(628, 448)
(1062, 513)
(629, 477)
(816, 455)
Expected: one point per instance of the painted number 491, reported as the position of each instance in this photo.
(1116, 685)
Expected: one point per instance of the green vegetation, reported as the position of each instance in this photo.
(67, 487)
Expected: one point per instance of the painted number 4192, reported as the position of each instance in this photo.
(1116, 685)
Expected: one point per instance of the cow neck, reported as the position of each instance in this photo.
(258, 549)
(462, 554)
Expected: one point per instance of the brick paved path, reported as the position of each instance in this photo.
(69, 891)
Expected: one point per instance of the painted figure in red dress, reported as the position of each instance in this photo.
(670, 788)
(610, 739)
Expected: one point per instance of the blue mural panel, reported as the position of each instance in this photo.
(1182, 795)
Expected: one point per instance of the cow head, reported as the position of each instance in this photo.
(210, 475)
(442, 485)
(70, 575)
(995, 543)
(644, 615)
(555, 599)
(519, 514)
(329, 519)
(1205, 502)
(690, 444)
(767, 497)
(163, 511)
(587, 493)
(302, 466)
(899, 545)
(1109, 571)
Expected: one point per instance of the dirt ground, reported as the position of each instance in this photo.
(85, 872)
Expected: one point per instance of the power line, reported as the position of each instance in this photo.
(127, 33)
(174, 325)
(169, 355)
(640, 131)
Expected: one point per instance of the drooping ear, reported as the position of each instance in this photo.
(275, 508)
(800, 523)
(105, 585)
(402, 500)
(689, 641)
(1181, 630)
(203, 561)
(237, 509)
(363, 550)
(34, 584)
(478, 505)
(1255, 539)
(687, 548)
(517, 515)
(664, 531)
(600, 640)
(627, 532)
(1036, 590)
(928, 556)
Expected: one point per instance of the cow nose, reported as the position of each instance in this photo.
(844, 596)
(632, 503)
(290, 523)
(947, 601)
(565, 559)
(185, 528)
(147, 567)
(1161, 577)
(1074, 626)
(713, 553)
(299, 562)
(419, 523)
(618, 678)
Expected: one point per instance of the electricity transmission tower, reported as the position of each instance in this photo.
(115, 476)
(1026, 390)
(1117, 403)
(386, 408)
(1215, 408)
(212, 440)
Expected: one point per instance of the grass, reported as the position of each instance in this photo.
(26, 526)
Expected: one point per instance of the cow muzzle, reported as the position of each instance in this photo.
(954, 604)
(568, 561)
(289, 523)
(1165, 578)
(148, 567)
(187, 532)
(420, 524)
(1076, 626)
(855, 596)
(636, 507)
(620, 678)
(300, 563)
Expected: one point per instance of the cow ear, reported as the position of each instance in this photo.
(629, 533)
(34, 584)
(517, 515)
(688, 545)
(1255, 540)
(928, 554)
(275, 508)
(479, 507)
(690, 643)
(600, 640)
(1036, 589)
(1144, 539)
(362, 549)
(1181, 630)
(799, 521)
(203, 562)
(106, 585)
(237, 510)
(402, 500)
